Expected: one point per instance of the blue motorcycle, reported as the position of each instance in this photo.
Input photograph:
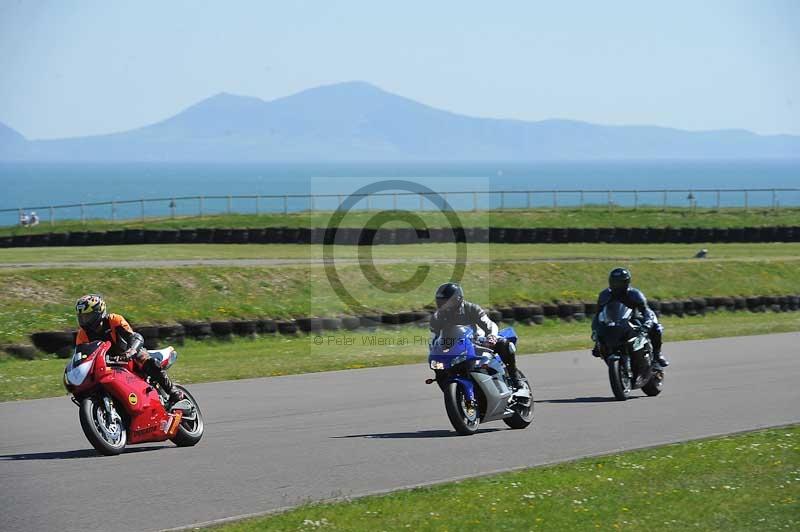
(475, 383)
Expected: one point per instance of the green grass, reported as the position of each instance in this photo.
(42, 299)
(566, 217)
(278, 355)
(494, 252)
(742, 482)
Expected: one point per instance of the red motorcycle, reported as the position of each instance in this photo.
(119, 405)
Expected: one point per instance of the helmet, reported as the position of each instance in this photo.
(619, 280)
(91, 310)
(449, 295)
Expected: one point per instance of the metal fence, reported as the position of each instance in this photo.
(200, 206)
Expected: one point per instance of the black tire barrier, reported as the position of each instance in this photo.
(197, 329)
(351, 323)
(39, 240)
(151, 338)
(288, 328)
(169, 236)
(96, 238)
(222, 236)
(754, 304)
(390, 319)
(187, 236)
(308, 325)
(579, 316)
(331, 324)
(20, 241)
(204, 236)
(506, 313)
(76, 238)
(222, 329)
(51, 342)
(5, 241)
(495, 315)
(369, 322)
(407, 317)
(244, 327)
(522, 313)
(134, 236)
(240, 236)
(172, 334)
(538, 319)
(566, 310)
(21, 351)
(266, 326)
(550, 310)
(666, 308)
(59, 239)
(590, 308)
(115, 237)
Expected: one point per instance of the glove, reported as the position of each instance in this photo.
(130, 353)
(491, 340)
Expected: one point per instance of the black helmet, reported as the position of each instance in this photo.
(449, 295)
(619, 280)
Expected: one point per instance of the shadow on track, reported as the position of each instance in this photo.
(68, 455)
(585, 400)
(412, 435)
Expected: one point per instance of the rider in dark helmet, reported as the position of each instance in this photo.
(619, 289)
(96, 323)
(452, 309)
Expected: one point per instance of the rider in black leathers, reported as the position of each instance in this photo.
(619, 289)
(452, 309)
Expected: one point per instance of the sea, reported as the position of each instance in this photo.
(175, 189)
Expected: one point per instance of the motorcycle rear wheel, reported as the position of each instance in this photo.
(99, 430)
(191, 428)
(620, 382)
(523, 415)
(465, 419)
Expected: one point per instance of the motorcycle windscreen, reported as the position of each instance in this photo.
(453, 340)
(79, 365)
(614, 322)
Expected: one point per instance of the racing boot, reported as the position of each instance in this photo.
(511, 376)
(155, 372)
(660, 359)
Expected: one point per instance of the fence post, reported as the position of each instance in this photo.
(172, 206)
(141, 205)
(52, 215)
(474, 202)
(285, 205)
(83, 214)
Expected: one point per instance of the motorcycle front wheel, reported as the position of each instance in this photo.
(105, 432)
(620, 382)
(464, 418)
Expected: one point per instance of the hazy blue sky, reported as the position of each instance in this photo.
(78, 67)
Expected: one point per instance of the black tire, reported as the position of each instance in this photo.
(523, 416)
(190, 431)
(91, 414)
(654, 385)
(620, 383)
(463, 419)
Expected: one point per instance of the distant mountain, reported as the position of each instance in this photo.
(356, 121)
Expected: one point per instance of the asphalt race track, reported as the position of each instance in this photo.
(277, 442)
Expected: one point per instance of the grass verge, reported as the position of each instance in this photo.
(590, 216)
(42, 299)
(278, 355)
(742, 482)
(417, 252)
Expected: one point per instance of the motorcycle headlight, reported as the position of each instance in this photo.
(458, 360)
(435, 364)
